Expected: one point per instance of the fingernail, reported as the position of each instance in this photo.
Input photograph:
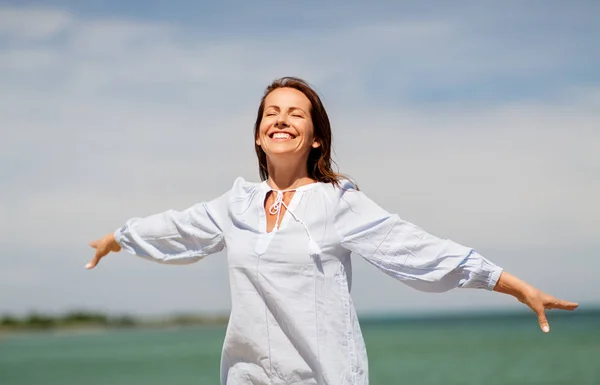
(546, 329)
(88, 266)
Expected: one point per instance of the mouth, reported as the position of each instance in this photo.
(281, 136)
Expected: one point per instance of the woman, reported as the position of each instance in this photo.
(289, 241)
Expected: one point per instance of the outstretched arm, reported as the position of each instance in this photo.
(426, 262)
(171, 237)
(536, 299)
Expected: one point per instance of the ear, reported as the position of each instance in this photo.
(257, 141)
(316, 144)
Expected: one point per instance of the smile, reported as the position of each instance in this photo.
(282, 136)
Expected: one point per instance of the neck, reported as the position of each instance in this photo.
(288, 175)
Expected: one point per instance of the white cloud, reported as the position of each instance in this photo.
(32, 23)
(514, 176)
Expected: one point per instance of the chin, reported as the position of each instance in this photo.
(282, 149)
(284, 153)
(280, 153)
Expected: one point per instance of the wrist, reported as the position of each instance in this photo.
(509, 284)
(113, 245)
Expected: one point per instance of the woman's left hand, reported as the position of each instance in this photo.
(537, 300)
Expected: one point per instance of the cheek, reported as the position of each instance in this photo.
(263, 127)
(309, 131)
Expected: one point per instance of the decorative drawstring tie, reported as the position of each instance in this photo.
(276, 209)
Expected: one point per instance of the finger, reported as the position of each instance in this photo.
(542, 320)
(99, 254)
(551, 302)
(563, 305)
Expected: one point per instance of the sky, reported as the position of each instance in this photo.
(476, 121)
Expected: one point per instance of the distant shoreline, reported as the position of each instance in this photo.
(84, 321)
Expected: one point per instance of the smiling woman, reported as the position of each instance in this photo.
(290, 241)
(290, 106)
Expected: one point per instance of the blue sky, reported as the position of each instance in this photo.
(478, 122)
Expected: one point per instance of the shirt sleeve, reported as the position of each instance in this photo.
(176, 237)
(406, 252)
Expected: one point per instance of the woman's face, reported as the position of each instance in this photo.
(286, 127)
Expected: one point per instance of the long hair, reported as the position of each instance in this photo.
(319, 163)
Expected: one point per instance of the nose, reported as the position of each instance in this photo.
(281, 121)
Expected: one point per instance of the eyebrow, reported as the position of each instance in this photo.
(289, 109)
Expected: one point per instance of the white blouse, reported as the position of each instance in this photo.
(292, 318)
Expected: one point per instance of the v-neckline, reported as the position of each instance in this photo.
(283, 219)
(298, 191)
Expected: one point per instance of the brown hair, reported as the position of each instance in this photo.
(319, 163)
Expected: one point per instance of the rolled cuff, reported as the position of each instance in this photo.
(482, 273)
(119, 237)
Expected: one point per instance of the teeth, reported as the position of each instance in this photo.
(281, 135)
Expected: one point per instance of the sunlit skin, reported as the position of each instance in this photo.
(287, 111)
(286, 135)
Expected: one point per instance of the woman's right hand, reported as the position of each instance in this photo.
(103, 246)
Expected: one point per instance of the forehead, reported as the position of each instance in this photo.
(287, 97)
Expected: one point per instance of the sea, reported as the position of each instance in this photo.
(495, 349)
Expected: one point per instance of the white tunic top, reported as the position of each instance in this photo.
(292, 318)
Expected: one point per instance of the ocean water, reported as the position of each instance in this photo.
(438, 350)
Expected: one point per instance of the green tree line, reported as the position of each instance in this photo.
(95, 319)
